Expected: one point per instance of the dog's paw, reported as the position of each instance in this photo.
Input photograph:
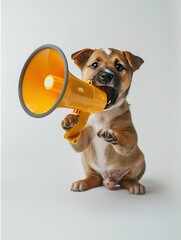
(108, 135)
(69, 121)
(137, 189)
(133, 186)
(80, 186)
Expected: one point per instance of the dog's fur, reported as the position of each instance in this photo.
(108, 143)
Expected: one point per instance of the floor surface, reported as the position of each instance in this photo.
(38, 204)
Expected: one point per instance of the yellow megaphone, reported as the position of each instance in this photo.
(45, 84)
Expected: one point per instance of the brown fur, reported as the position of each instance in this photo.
(122, 152)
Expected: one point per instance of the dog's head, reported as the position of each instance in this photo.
(110, 70)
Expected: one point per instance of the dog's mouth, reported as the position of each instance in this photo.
(111, 93)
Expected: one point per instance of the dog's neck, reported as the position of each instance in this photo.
(116, 110)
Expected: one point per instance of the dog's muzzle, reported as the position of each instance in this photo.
(106, 78)
(108, 82)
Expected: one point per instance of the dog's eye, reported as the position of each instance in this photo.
(119, 67)
(94, 65)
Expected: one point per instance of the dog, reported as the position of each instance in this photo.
(108, 143)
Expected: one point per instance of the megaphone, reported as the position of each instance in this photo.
(46, 84)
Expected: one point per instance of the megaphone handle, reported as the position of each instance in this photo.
(73, 134)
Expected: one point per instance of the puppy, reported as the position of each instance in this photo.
(108, 143)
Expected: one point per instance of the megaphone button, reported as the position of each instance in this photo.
(80, 89)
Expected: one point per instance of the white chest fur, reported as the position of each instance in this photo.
(100, 146)
(98, 122)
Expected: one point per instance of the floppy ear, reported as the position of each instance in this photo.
(81, 56)
(134, 61)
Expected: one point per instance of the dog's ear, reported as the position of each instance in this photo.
(81, 56)
(135, 62)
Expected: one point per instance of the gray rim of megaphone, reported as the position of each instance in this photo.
(22, 76)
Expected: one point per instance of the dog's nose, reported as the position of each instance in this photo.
(106, 77)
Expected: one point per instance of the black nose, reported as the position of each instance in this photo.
(106, 77)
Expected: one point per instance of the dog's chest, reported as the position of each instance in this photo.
(98, 122)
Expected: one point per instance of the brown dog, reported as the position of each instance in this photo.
(108, 143)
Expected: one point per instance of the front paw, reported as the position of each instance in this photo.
(69, 121)
(108, 135)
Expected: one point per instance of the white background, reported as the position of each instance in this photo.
(38, 165)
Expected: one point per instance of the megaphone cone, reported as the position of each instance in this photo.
(45, 84)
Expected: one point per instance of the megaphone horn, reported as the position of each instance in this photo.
(46, 84)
